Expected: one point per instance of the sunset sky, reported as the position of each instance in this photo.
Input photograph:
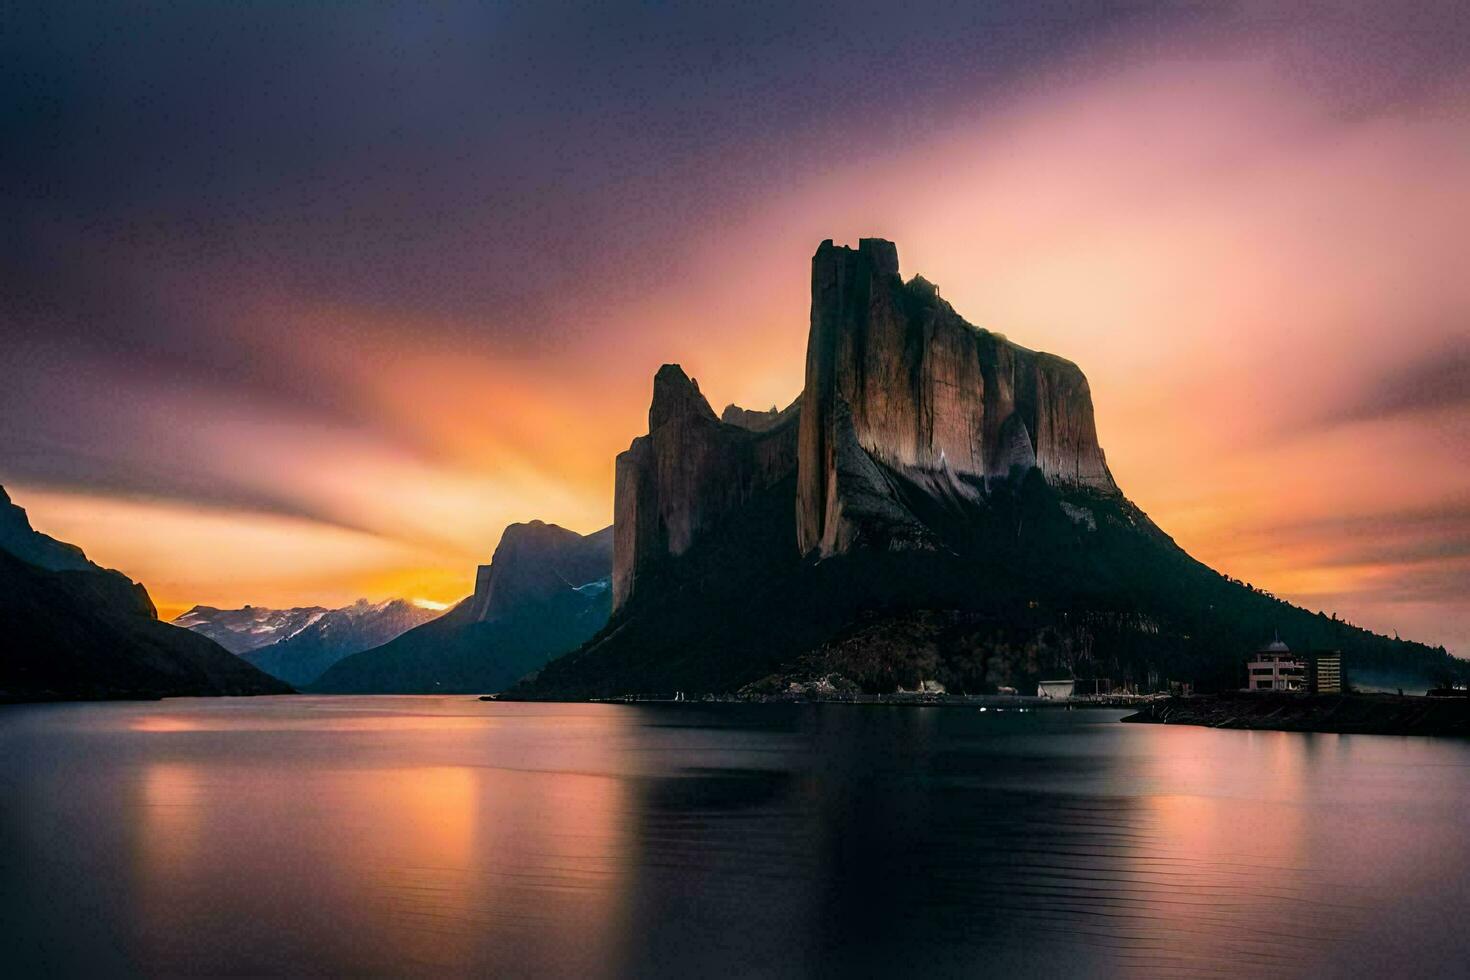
(301, 304)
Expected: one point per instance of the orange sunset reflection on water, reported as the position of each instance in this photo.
(413, 835)
(424, 866)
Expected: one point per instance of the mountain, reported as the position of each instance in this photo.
(250, 627)
(297, 645)
(74, 630)
(935, 505)
(545, 591)
(19, 539)
(898, 383)
(690, 474)
(535, 563)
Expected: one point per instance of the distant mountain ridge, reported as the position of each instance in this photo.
(545, 591)
(75, 630)
(249, 627)
(297, 645)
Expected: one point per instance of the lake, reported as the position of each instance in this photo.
(410, 835)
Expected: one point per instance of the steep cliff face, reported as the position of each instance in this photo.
(536, 562)
(689, 473)
(898, 383)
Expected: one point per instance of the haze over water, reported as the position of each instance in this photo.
(432, 835)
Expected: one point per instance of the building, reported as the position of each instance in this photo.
(1327, 673)
(1275, 668)
(1056, 690)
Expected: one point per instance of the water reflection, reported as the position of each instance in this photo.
(414, 857)
(169, 815)
(400, 835)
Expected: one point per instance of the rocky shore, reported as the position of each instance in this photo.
(1369, 714)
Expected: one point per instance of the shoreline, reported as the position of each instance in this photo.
(993, 702)
(1346, 714)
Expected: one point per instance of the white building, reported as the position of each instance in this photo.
(1275, 668)
(1327, 679)
(1056, 690)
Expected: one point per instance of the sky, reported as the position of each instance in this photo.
(301, 304)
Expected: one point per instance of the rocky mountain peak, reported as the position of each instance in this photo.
(757, 421)
(20, 539)
(899, 383)
(534, 563)
(875, 256)
(899, 389)
(689, 472)
(676, 396)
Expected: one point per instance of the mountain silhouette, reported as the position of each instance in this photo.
(935, 506)
(75, 630)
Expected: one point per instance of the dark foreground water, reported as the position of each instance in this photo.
(434, 835)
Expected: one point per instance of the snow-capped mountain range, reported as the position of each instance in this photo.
(249, 628)
(298, 644)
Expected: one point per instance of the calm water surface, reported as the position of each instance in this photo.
(444, 835)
